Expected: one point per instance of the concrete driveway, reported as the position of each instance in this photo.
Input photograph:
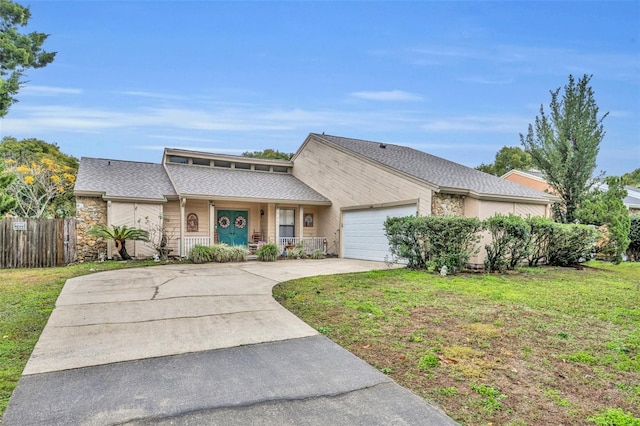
(200, 344)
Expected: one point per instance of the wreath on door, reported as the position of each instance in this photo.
(240, 222)
(224, 221)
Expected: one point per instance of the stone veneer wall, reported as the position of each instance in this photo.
(90, 211)
(633, 212)
(447, 204)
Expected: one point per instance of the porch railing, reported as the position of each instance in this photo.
(189, 242)
(309, 244)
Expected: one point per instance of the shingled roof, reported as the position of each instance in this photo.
(215, 182)
(442, 173)
(122, 179)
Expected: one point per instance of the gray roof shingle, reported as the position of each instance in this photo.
(215, 182)
(128, 179)
(429, 168)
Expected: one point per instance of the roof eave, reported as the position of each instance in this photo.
(83, 193)
(496, 197)
(134, 199)
(255, 200)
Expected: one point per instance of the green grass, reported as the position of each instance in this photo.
(558, 343)
(27, 297)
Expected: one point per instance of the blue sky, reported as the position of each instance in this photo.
(455, 79)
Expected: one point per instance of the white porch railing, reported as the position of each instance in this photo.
(309, 244)
(189, 242)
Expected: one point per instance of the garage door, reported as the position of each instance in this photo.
(363, 232)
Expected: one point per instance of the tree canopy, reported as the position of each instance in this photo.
(27, 150)
(604, 206)
(508, 158)
(269, 153)
(564, 144)
(7, 202)
(632, 178)
(18, 52)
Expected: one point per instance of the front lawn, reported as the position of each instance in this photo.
(538, 346)
(27, 297)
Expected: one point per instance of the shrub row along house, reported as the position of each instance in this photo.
(334, 194)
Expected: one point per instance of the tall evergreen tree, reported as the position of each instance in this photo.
(18, 52)
(564, 144)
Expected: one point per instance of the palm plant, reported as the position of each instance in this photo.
(120, 235)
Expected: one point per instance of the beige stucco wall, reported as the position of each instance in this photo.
(137, 215)
(350, 181)
(90, 211)
(171, 214)
(484, 209)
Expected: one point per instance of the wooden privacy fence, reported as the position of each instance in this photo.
(34, 243)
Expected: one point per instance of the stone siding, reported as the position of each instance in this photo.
(633, 212)
(447, 205)
(90, 212)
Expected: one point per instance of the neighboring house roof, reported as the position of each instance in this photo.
(114, 179)
(229, 183)
(632, 199)
(531, 173)
(445, 174)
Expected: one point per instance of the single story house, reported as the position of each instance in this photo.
(535, 179)
(334, 194)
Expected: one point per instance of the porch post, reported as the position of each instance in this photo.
(300, 233)
(183, 202)
(277, 218)
(109, 223)
(212, 222)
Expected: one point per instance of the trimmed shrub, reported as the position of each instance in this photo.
(238, 254)
(572, 244)
(430, 242)
(541, 232)
(267, 253)
(220, 253)
(200, 254)
(318, 254)
(509, 244)
(633, 251)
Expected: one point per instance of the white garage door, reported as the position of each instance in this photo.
(363, 232)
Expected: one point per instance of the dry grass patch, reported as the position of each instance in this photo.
(523, 348)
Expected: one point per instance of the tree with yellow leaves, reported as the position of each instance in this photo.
(44, 177)
(37, 186)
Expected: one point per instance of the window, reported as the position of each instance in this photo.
(287, 223)
(243, 166)
(280, 169)
(225, 164)
(201, 161)
(261, 167)
(178, 160)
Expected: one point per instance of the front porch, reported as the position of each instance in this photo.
(207, 222)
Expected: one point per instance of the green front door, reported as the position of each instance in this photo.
(232, 227)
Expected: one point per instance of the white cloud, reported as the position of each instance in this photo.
(479, 123)
(390, 95)
(49, 91)
(194, 148)
(152, 95)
